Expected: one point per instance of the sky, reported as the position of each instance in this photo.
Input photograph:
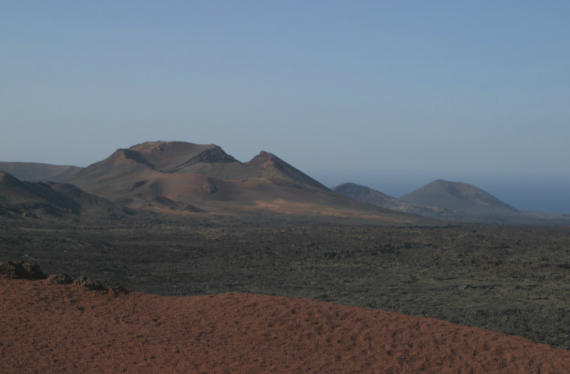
(390, 94)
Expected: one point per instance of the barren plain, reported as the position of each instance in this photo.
(511, 279)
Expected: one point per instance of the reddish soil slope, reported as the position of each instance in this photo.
(54, 328)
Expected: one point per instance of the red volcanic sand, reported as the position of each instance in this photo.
(52, 328)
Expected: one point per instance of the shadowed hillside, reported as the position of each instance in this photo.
(49, 200)
(38, 172)
(31, 198)
(374, 197)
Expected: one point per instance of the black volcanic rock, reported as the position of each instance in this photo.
(21, 270)
(60, 279)
(89, 284)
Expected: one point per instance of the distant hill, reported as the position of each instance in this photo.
(179, 177)
(370, 196)
(453, 201)
(28, 198)
(49, 200)
(38, 172)
(367, 195)
(459, 197)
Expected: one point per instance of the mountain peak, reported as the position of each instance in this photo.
(173, 156)
(8, 179)
(125, 154)
(265, 158)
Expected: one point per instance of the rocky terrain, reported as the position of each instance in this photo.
(511, 279)
(181, 219)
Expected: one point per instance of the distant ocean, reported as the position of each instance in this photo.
(538, 196)
(524, 192)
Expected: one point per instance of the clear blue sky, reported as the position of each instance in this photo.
(441, 89)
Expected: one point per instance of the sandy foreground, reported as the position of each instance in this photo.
(64, 328)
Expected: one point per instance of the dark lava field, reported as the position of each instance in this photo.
(512, 279)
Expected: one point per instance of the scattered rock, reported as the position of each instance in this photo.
(21, 270)
(209, 188)
(119, 290)
(60, 279)
(129, 211)
(89, 284)
(193, 208)
(29, 214)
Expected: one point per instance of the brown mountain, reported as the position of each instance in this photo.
(38, 172)
(210, 160)
(459, 197)
(374, 197)
(190, 178)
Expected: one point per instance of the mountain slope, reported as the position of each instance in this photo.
(457, 196)
(52, 200)
(38, 172)
(374, 197)
(26, 197)
(367, 195)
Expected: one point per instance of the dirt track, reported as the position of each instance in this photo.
(510, 279)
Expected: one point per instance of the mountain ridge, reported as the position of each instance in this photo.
(171, 176)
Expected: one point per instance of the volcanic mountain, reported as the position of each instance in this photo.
(187, 177)
(457, 196)
(370, 196)
(38, 172)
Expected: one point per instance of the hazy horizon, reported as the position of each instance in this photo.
(549, 194)
(472, 92)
